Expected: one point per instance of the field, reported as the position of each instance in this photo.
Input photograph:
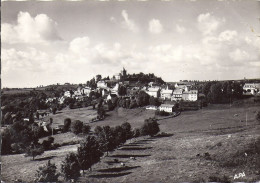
(200, 146)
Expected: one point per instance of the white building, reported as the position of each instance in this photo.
(101, 84)
(166, 107)
(155, 92)
(166, 93)
(191, 95)
(67, 94)
(251, 88)
(86, 91)
(177, 94)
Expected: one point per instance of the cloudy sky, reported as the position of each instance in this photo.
(56, 42)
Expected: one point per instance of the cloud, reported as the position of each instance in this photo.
(155, 26)
(180, 29)
(128, 23)
(39, 29)
(208, 23)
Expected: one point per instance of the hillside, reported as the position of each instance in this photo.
(201, 146)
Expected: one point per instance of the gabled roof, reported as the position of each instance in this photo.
(167, 105)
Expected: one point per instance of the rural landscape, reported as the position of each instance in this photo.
(132, 134)
(130, 91)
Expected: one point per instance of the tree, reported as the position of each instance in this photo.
(150, 127)
(47, 173)
(106, 139)
(86, 129)
(88, 152)
(70, 167)
(101, 112)
(142, 98)
(76, 126)
(67, 123)
(126, 127)
(34, 150)
(54, 110)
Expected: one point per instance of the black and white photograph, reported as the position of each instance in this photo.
(130, 91)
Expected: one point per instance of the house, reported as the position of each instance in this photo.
(166, 93)
(155, 92)
(86, 91)
(251, 88)
(177, 95)
(191, 95)
(166, 107)
(102, 84)
(67, 94)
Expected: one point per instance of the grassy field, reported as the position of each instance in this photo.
(201, 146)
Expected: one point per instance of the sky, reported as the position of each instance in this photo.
(67, 41)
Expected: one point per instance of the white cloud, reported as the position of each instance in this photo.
(228, 35)
(155, 26)
(128, 23)
(208, 24)
(39, 29)
(180, 29)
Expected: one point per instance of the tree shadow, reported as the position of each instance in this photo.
(130, 155)
(44, 158)
(146, 140)
(161, 135)
(118, 169)
(134, 148)
(109, 175)
(131, 145)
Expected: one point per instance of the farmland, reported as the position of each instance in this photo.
(197, 147)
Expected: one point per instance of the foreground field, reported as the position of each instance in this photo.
(200, 146)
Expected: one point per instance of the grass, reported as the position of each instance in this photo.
(214, 132)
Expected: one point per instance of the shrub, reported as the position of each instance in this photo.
(47, 173)
(76, 126)
(150, 127)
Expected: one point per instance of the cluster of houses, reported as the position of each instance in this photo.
(182, 91)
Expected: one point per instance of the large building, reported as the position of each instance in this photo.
(191, 95)
(155, 92)
(177, 94)
(166, 93)
(251, 88)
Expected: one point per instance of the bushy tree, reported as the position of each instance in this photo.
(70, 167)
(76, 126)
(67, 123)
(86, 129)
(47, 173)
(106, 139)
(150, 127)
(88, 152)
(142, 98)
(127, 132)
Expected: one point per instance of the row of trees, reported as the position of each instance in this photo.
(222, 92)
(92, 148)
